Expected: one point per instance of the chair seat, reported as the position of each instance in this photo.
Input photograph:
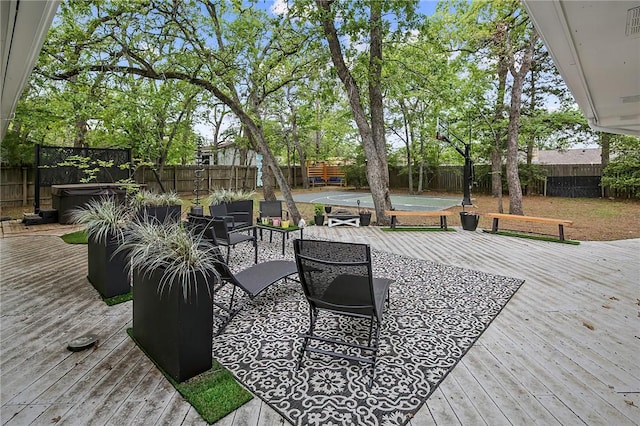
(252, 280)
(349, 292)
(236, 237)
(255, 279)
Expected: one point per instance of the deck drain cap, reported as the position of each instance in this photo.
(83, 342)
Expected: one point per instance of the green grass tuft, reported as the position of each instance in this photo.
(534, 237)
(418, 228)
(78, 237)
(214, 393)
(118, 299)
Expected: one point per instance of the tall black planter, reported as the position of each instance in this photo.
(175, 333)
(163, 213)
(107, 272)
(319, 220)
(365, 219)
(469, 221)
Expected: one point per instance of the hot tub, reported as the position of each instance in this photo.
(65, 198)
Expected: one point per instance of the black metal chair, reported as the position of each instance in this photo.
(225, 237)
(252, 280)
(217, 232)
(271, 209)
(337, 277)
(233, 219)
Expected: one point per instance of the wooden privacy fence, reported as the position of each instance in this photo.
(17, 183)
(181, 179)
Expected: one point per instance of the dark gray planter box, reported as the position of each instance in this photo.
(108, 271)
(175, 333)
(163, 213)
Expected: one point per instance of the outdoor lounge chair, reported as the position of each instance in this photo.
(225, 237)
(234, 219)
(337, 277)
(216, 231)
(252, 280)
(271, 209)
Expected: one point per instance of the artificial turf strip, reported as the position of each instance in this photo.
(78, 237)
(214, 393)
(533, 237)
(118, 299)
(418, 228)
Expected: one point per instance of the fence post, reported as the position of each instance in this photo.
(175, 178)
(25, 186)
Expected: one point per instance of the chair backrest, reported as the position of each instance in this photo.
(217, 210)
(202, 225)
(271, 209)
(336, 276)
(242, 206)
(220, 230)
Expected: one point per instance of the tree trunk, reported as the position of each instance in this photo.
(268, 183)
(513, 180)
(496, 175)
(408, 142)
(496, 152)
(372, 135)
(605, 144)
(532, 140)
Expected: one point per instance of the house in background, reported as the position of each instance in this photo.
(571, 173)
(228, 154)
(591, 156)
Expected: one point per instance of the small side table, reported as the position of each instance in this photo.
(284, 231)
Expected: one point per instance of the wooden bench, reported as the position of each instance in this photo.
(560, 222)
(442, 213)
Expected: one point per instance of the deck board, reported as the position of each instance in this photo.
(536, 363)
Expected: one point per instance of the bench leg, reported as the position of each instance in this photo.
(393, 222)
(494, 228)
(443, 222)
(561, 229)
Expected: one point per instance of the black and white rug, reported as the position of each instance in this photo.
(435, 315)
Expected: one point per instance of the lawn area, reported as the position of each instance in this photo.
(595, 219)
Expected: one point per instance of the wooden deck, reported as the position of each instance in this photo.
(565, 350)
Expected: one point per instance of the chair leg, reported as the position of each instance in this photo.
(233, 295)
(370, 331)
(313, 314)
(228, 253)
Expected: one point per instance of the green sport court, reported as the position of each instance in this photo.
(399, 202)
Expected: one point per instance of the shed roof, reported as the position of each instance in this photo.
(571, 156)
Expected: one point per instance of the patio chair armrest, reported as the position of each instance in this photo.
(240, 216)
(227, 218)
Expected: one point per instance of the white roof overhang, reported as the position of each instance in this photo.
(596, 48)
(23, 28)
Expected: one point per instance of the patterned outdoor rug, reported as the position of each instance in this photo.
(436, 314)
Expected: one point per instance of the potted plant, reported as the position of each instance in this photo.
(174, 274)
(365, 215)
(469, 220)
(104, 220)
(163, 207)
(318, 214)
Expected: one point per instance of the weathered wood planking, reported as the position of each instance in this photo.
(536, 363)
